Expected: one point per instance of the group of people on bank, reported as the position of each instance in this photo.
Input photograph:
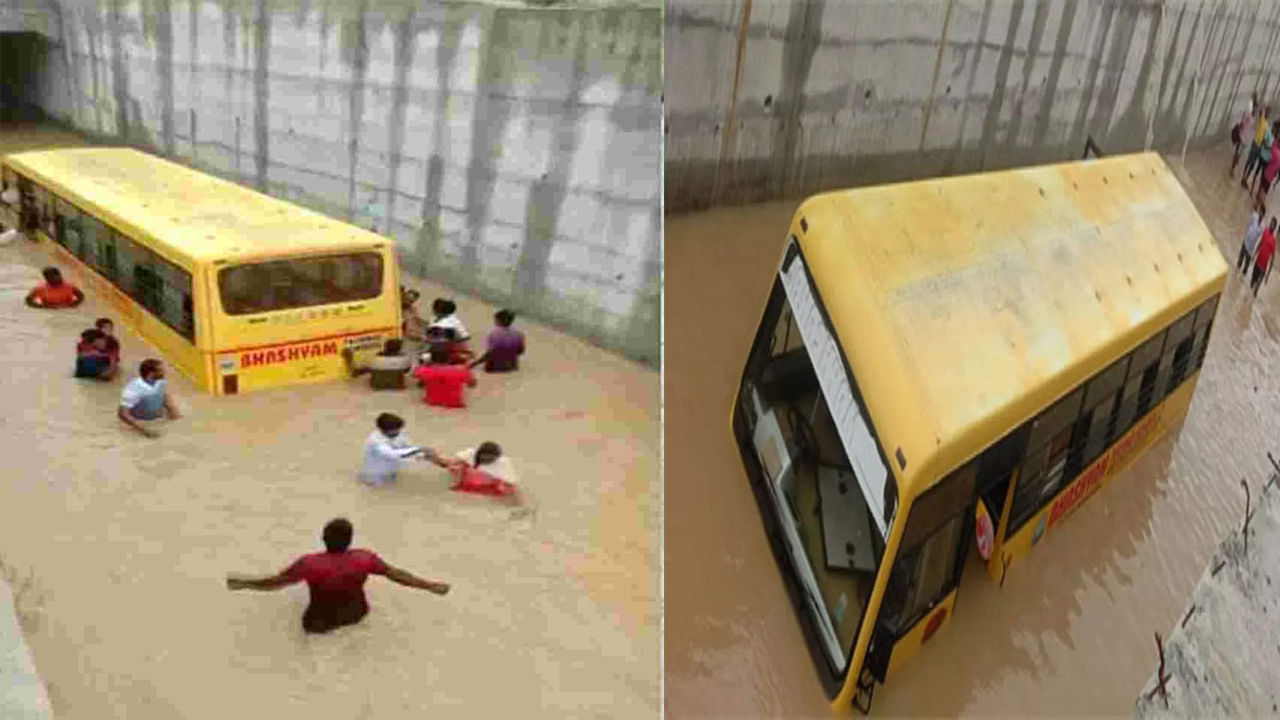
(1256, 131)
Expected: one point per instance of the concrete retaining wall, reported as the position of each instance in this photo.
(22, 692)
(783, 98)
(34, 16)
(1222, 659)
(511, 148)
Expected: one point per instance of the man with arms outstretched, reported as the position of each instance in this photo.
(336, 580)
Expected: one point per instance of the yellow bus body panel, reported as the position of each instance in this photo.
(967, 305)
(907, 647)
(202, 223)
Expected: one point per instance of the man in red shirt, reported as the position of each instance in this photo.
(1262, 260)
(442, 381)
(55, 293)
(336, 580)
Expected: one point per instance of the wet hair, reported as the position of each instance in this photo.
(442, 334)
(337, 535)
(52, 275)
(488, 450)
(103, 321)
(91, 335)
(441, 307)
(392, 347)
(148, 366)
(504, 318)
(389, 422)
(440, 354)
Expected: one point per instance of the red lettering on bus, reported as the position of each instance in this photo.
(289, 354)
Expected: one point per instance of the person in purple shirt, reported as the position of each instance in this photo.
(503, 347)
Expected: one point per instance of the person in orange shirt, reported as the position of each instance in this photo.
(55, 292)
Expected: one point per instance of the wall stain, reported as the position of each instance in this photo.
(262, 94)
(991, 120)
(953, 164)
(193, 77)
(430, 236)
(804, 34)
(547, 195)
(403, 39)
(92, 38)
(1223, 64)
(1065, 25)
(502, 31)
(1078, 128)
(1038, 20)
(1189, 89)
(119, 70)
(355, 53)
(1122, 25)
(1164, 105)
(1133, 121)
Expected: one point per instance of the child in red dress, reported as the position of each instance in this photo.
(483, 474)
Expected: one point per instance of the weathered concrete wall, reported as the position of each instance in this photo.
(35, 16)
(788, 97)
(512, 149)
(22, 693)
(1222, 659)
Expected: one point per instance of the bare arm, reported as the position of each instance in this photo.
(170, 408)
(124, 414)
(264, 584)
(31, 300)
(408, 579)
(78, 297)
(480, 360)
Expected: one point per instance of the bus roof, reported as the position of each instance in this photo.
(967, 304)
(192, 214)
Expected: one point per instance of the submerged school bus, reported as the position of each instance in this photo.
(961, 362)
(238, 290)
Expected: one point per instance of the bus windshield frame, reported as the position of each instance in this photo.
(820, 495)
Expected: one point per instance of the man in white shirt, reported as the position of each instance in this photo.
(386, 448)
(1251, 235)
(146, 398)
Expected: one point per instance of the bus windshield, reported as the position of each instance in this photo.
(300, 282)
(833, 493)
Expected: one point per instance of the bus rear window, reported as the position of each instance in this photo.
(300, 283)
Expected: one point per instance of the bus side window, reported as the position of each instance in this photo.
(1177, 355)
(124, 262)
(1204, 323)
(1045, 468)
(928, 564)
(1145, 366)
(1095, 422)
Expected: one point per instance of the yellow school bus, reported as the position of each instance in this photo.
(959, 363)
(238, 290)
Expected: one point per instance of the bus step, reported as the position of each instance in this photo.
(866, 690)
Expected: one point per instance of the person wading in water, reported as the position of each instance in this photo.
(336, 580)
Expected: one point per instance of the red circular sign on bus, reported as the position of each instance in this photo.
(986, 535)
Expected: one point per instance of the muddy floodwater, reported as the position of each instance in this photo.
(117, 546)
(1071, 631)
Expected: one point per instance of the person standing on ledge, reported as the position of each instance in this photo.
(335, 578)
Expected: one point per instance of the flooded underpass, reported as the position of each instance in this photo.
(117, 546)
(1070, 633)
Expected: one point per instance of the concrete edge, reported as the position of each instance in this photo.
(23, 695)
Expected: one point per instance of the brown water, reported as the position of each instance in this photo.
(117, 546)
(1071, 631)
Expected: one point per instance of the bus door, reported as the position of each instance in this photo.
(997, 477)
(922, 585)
